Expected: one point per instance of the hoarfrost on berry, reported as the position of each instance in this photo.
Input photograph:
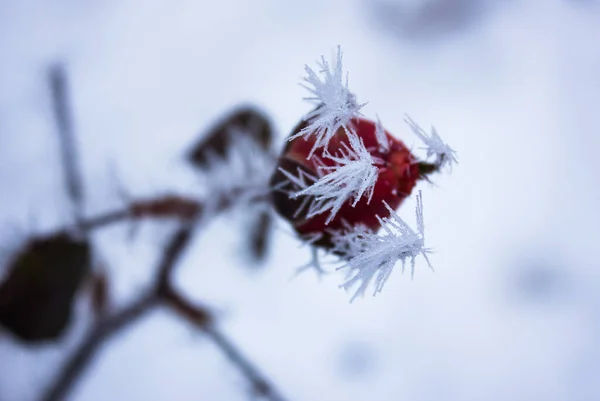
(353, 176)
(344, 192)
(372, 257)
(336, 105)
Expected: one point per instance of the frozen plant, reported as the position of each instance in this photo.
(341, 177)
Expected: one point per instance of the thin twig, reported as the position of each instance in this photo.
(260, 384)
(194, 314)
(78, 363)
(179, 242)
(169, 206)
(106, 219)
(201, 319)
(64, 125)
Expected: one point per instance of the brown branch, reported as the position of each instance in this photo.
(106, 219)
(161, 292)
(260, 384)
(188, 211)
(78, 363)
(179, 242)
(161, 207)
(106, 328)
(168, 206)
(201, 319)
(198, 316)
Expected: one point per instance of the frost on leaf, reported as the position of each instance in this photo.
(336, 105)
(445, 155)
(353, 176)
(245, 168)
(371, 257)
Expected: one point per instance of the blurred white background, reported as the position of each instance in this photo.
(512, 311)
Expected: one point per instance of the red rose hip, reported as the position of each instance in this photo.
(396, 168)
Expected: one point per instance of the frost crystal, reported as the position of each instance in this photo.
(336, 105)
(372, 257)
(382, 139)
(353, 175)
(299, 181)
(444, 154)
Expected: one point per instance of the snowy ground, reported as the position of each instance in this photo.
(512, 311)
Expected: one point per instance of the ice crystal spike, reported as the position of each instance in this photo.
(336, 105)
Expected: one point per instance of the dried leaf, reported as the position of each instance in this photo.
(245, 120)
(37, 296)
